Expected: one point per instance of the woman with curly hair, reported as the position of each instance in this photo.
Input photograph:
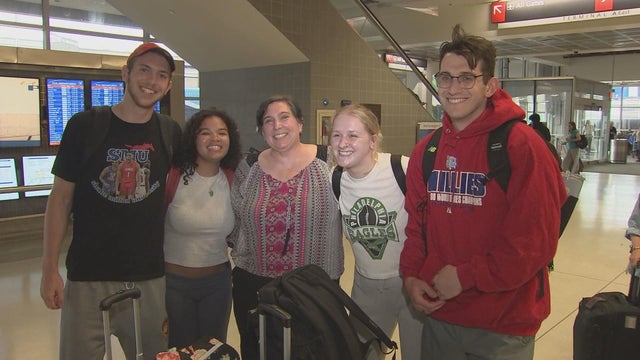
(199, 217)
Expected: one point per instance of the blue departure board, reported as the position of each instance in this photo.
(65, 97)
(109, 92)
(106, 93)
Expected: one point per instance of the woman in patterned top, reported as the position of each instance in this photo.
(286, 213)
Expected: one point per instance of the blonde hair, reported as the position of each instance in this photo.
(368, 119)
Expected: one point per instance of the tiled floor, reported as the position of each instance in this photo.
(591, 257)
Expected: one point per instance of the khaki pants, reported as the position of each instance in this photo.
(81, 329)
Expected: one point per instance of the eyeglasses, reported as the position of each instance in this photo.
(466, 80)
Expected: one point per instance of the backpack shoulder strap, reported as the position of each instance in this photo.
(168, 133)
(398, 172)
(322, 152)
(396, 166)
(173, 179)
(497, 155)
(229, 174)
(429, 155)
(100, 121)
(252, 156)
(336, 176)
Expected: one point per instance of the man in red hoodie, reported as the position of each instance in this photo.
(476, 256)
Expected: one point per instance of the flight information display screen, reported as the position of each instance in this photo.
(36, 170)
(19, 111)
(109, 92)
(65, 97)
(106, 93)
(8, 178)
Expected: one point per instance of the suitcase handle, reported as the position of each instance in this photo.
(121, 295)
(277, 312)
(105, 306)
(634, 287)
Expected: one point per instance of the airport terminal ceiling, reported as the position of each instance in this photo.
(419, 26)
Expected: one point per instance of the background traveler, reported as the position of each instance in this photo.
(571, 161)
(633, 234)
(539, 127)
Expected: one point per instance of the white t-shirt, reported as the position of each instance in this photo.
(374, 218)
(198, 221)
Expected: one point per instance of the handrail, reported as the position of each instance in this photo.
(397, 48)
(11, 189)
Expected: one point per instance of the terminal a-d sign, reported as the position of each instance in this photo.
(539, 12)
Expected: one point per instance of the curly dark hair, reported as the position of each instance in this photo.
(190, 153)
(474, 49)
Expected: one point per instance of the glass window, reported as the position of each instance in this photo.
(18, 36)
(21, 12)
(87, 26)
(92, 15)
(91, 44)
(100, 28)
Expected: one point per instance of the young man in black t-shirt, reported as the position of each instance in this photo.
(117, 240)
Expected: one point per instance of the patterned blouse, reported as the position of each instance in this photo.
(281, 226)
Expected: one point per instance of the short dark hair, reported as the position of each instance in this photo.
(474, 49)
(293, 106)
(534, 117)
(190, 133)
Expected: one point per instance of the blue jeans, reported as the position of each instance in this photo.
(198, 307)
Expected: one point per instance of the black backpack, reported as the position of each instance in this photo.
(499, 166)
(320, 324)
(582, 143)
(396, 166)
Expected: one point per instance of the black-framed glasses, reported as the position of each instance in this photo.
(465, 80)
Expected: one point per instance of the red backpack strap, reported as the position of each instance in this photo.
(173, 178)
(229, 174)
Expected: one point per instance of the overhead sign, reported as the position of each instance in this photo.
(540, 12)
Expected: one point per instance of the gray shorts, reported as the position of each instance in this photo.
(81, 329)
(442, 340)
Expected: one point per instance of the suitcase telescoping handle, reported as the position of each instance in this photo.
(105, 305)
(634, 287)
(284, 318)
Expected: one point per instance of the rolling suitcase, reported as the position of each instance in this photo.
(105, 307)
(607, 326)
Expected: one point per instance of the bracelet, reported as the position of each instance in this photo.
(633, 248)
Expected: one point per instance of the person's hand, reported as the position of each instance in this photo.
(423, 297)
(52, 289)
(634, 259)
(446, 283)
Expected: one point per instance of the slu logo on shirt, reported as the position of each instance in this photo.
(371, 225)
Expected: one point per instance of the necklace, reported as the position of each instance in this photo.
(212, 185)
